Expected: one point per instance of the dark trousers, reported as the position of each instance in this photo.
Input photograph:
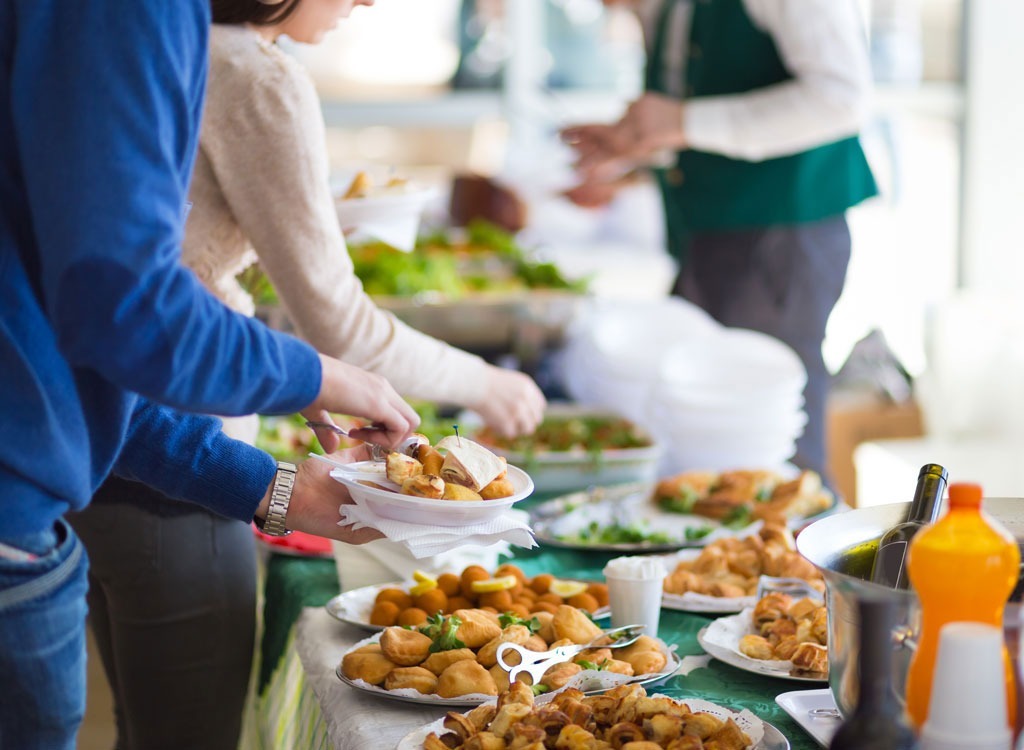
(783, 281)
(172, 605)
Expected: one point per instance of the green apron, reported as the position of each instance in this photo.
(710, 192)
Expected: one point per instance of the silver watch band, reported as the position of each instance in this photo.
(280, 498)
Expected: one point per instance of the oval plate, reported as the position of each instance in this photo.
(734, 659)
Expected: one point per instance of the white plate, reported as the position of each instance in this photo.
(799, 704)
(591, 682)
(700, 603)
(768, 737)
(398, 507)
(355, 606)
(734, 658)
(384, 206)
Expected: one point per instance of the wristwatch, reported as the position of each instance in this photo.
(280, 497)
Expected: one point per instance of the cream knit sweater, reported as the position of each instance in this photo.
(260, 191)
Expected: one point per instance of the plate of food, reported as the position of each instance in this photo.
(725, 575)
(690, 509)
(622, 717)
(458, 482)
(452, 660)
(505, 590)
(575, 447)
(780, 636)
(389, 210)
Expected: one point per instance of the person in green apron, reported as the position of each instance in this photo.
(751, 111)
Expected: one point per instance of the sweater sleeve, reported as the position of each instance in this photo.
(188, 457)
(263, 135)
(106, 97)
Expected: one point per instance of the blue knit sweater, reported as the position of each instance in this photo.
(100, 104)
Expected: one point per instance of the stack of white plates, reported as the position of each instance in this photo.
(716, 398)
(615, 350)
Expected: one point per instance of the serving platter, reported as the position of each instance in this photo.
(591, 682)
(354, 607)
(721, 640)
(770, 737)
(562, 522)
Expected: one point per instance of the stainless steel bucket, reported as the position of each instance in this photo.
(842, 547)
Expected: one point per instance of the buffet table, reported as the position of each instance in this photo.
(302, 704)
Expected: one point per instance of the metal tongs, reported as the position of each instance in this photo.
(792, 586)
(377, 452)
(536, 663)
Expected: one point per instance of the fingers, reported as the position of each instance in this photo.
(329, 441)
(513, 404)
(351, 535)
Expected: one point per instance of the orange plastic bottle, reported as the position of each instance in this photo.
(963, 568)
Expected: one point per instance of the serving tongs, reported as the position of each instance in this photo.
(377, 452)
(791, 586)
(536, 663)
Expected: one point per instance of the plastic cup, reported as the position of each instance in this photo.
(968, 699)
(634, 591)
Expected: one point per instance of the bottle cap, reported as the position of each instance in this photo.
(964, 495)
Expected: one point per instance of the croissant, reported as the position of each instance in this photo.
(771, 606)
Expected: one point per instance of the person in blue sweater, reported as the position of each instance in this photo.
(108, 345)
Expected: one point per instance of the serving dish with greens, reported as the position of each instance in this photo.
(576, 447)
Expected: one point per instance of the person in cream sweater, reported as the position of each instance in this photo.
(259, 192)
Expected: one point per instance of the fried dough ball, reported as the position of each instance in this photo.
(551, 598)
(571, 623)
(464, 677)
(470, 574)
(500, 600)
(600, 593)
(546, 607)
(584, 601)
(432, 601)
(457, 492)
(449, 584)
(456, 603)
(371, 667)
(441, 660)
(400, 598)
(412, 617)
(477, 627)
(542, 582)
(384, 614)
(417, 678)
(519, 609)
(406, 648)
(508, 569)
(425, 485)
(498, 489)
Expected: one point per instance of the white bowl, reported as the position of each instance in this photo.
(398, 507)
(391, 217)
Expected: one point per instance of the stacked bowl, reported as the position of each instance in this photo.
(716, 398)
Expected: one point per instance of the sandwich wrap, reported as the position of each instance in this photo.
(468, 463)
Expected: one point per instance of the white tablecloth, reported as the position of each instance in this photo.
(355, 720)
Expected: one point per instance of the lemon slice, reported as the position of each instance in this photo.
(420, 577)
(494, 584)
(566, 589)
(423, 587)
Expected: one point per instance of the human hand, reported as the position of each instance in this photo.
(512, 404)
(346, 389)
(315, 499)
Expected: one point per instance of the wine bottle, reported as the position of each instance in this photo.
(889, 568)
(878, 720)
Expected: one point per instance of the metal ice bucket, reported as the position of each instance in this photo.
(843, 548)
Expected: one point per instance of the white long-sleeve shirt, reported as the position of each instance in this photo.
(822, 43)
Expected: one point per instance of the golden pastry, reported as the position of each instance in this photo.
(497, 489)
(810, 657)
(425, 485)
(368, 666)
(488, 653)
(571, 623)
(702, 724)
(454, 491)
(730, 737)
(558, 675)
(756, 647)
(400, 467)
(618, 667)
(431, 459)
(441, 660)
(477, 627)
(417, 678)
(686, 742)
(641, 745)
(465, 677)
(481, 716)
(485, 741)
(406, 648)
(508, 715)
(663, 728)
(520, 692)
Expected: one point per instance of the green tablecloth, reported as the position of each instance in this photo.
(293, 583)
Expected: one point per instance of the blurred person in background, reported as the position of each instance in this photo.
(751, 112)
(175, 621)
(106, 339)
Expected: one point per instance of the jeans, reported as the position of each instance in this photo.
(42, 641)
(172, 605)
